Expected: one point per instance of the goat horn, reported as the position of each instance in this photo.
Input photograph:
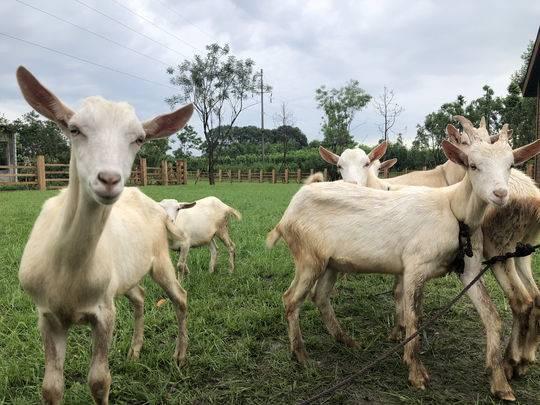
(468, 127)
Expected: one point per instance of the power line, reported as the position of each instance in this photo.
(93, 33)
(86, 61)
(149, 21)
(129, 28)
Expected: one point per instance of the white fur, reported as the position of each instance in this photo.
(202, 224)
(95, 240)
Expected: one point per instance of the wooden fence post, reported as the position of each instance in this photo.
(144, 171)
(273, 176)
(180, 172)
(220, 175)
(311, 172)
(260, 176)
(239, 175)
(249, 175)
(198, 174)
(530, 169)
(325, 174)
(229, 173)
(164, 173)
(40, 172)
(424, 168)
(298, 176)
(286, 175)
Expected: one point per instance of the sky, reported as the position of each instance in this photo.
(428, 52)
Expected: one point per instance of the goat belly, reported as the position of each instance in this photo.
(346, 265)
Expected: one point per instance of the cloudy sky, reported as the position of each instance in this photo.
(427, 51)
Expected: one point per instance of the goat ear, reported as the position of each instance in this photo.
(42, 99)
(328, 157)
(378, 151)
(455, 154)
(453, 134)
(526, 152)
(495, 138)
(387, 164)
(167, 124)
(482, 122)
(183, 206)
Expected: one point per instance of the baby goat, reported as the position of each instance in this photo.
(95, 240)
(207, 221)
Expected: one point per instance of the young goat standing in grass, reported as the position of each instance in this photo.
(327, 228)
(95, 240)
(202, 225)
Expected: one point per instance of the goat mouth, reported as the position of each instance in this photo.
(499, 202)
(106, 198)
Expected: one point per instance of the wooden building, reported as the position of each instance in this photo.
(531, 88)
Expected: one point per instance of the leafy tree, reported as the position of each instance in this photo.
(155, 151)
(339, 107)
(219, 85)
(39, 137)
(188, 140)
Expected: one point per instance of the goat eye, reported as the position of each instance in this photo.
(339, 167)
(367, 164)
(473, 167)
(139, 140)
(74, 131)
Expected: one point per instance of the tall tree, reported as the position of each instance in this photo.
(339, 107)
(219, 85)
(285, 119)
(388, 109)
(188, 141)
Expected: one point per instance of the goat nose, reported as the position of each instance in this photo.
(500, 192)
(109, 179)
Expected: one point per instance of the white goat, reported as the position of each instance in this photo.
(202, 225)
(95, 240)
(503, 228)
(356, 165)
(326, 228)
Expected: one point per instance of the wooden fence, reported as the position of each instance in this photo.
(43, 176)
(46, 176)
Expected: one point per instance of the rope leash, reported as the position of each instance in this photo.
(522, 250)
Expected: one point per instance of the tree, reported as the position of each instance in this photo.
(39, 137)
(188, 140)
(154, 152)
(339, 107)
(219, 85)
(285, 120)
(388, 110)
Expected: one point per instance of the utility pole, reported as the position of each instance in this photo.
(262, 113)
(262, 91)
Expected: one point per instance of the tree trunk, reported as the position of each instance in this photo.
(211, 179)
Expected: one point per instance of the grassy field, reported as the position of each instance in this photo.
(238, 347)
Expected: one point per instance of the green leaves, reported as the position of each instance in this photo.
(340, 106)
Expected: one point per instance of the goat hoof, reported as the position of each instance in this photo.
(180, 361)
(301, 357)
(395, 335)
(506, 395)
(508, 369)
(521, 369)
(133, 354)
(347, 340)
(419, 377)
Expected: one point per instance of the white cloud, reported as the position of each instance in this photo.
(427, 51)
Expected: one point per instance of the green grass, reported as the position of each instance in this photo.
(238, 345)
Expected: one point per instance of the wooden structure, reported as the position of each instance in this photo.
(531, 88)
(8, 157)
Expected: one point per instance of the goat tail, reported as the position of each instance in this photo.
(314, 178)
(235, 213)
(173, 232)
(273, 236)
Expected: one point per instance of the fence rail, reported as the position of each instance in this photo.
(43, 176)
(47, 176)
